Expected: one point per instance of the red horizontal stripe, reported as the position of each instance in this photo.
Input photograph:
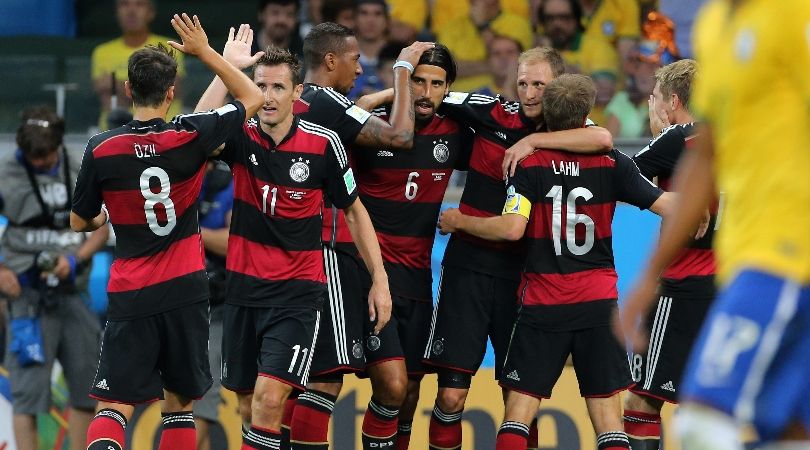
(487, 157)
(470, 211)
(408, 251)
(291, 202)
(302, 141)
(124, 144)
(181, 258)
(343, 234)
(492, 245)
(691, 262)
(392, 184)
(563, 289)
(272, 263)
(129, 207)
(559, 160)
(539, 227)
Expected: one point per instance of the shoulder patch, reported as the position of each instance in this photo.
(357, 113)
(455, 98)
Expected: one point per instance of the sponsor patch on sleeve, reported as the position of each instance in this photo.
(357, 113)
(348, 180)
(456, 98)
(516, 204)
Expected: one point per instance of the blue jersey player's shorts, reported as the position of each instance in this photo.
(752, 358)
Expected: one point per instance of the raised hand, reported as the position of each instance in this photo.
(413, 52)
(237, 49)
(191, 32)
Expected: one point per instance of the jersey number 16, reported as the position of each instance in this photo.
(572, 219)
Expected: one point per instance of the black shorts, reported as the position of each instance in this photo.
(537, 356)
(471, 306)
(141, 357)
(674, 325)
(340, 345)
(274, 342)
(404, 337)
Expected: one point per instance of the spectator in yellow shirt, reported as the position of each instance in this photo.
(134, 18)
(467, 39)
(617, 22)
(445, 11)
(502, 57)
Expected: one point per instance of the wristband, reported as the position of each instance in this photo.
(106, 214)
(73, 266)
(404, 64)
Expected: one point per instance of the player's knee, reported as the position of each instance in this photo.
(269, 400)
(451, 399)
(394, 390)
(700, 427)
(643, 404)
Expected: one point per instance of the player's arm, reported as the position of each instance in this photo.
(398, 132)
(195, 42)
(508, 227)
(80, 224)
(379, 297)
(694, 180)
(591, 139)
(374, 100)
(87, 211)
(236, 52)
(215, 240)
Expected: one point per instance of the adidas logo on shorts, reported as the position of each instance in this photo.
(385, 153)
(513, 375)
(103, 385)
(668, 386)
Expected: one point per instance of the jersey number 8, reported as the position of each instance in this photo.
(160, 197)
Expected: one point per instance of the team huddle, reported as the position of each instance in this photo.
(335, 206)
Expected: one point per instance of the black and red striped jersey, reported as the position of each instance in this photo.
(149, 175)
(691, 274)
(569, 232)
(403, 193)
(498, 125)
(274, 248)
(328, 108)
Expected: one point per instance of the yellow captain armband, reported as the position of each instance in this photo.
(516, 204)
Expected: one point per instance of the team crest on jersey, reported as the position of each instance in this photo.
(373, 343)
(438, 346)
(440, 151)
(608, 28)
(357, 350)
(744, 45)
(299, 171)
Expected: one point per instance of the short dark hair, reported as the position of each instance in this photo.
(330, 9)
(276, 56)
(263, 3)
(576, 12)
(382, 3)
(327, 37)
(151, 71)
(440, 56)
(567, 101)
(40, 132)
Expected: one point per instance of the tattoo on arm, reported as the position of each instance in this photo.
(378, 133)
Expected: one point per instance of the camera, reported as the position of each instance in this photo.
(46, 261)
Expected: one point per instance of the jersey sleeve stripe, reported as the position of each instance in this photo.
(331, 136)
(340, 98)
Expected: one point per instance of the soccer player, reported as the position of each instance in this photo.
(149, 173)
(687, 285)
(478, 300)
(750, 362)
(564, 203)
(283, 168)
(403, 192)
(331, 55)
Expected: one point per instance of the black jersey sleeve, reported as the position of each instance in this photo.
(463, 160)
(524, 184)
(334, 111)
(340, 185)
(214, 127)
(87, 195)
(468, 109)
(631, 186)
(659, 157)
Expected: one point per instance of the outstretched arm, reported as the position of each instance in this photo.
(508, 227)
(579, 140)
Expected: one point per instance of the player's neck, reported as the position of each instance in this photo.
(280, 130)
(318, 76)
(136, 39)
(145, 113)
(683, 116)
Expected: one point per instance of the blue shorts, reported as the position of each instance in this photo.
(752, 358)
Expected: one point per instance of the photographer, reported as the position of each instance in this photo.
(44, 277)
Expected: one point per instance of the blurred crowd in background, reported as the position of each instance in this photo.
(72, 53)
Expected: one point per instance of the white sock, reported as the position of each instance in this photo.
(703, 428)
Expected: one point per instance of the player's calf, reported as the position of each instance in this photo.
(107, 429)
(310, 421)
(445, 422)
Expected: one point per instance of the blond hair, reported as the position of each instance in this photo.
(544, 54)
(676, 78)
(567, 101)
